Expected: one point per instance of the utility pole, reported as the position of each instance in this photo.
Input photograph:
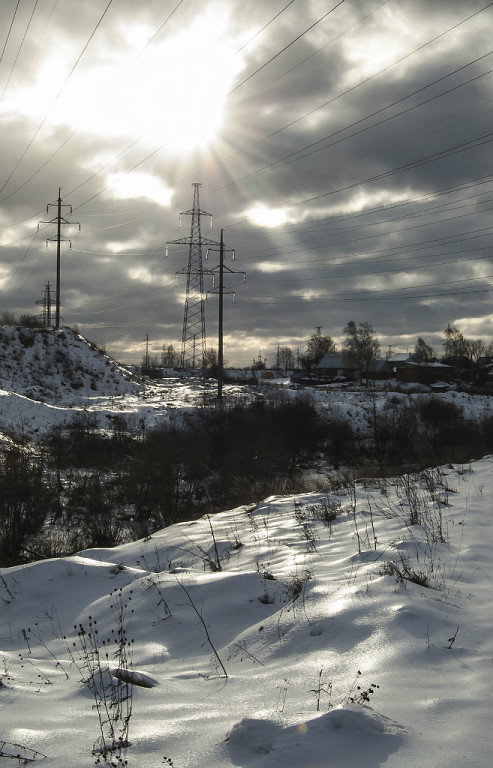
(220, 343)
(46, 303)
(59, 221)
(194, 314)
(146, 358)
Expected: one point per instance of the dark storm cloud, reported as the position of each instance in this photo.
(372, 166)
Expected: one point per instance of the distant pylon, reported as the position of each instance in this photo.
(193, 334)
(46, 302)
(59, 221)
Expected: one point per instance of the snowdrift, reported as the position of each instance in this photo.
(314, 631)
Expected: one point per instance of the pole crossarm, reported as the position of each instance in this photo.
(188, 240)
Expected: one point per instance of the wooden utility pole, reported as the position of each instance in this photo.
(220, 290)
(146, 358)
(58, 220)
(220, 343)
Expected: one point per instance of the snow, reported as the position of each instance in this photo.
(268, 636)
(300, 615)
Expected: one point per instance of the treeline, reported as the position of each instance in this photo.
(361, 346)
(85, 488)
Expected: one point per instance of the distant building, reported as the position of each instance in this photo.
(379, 369)
(403, 358)
(335, 365)
(424, 373)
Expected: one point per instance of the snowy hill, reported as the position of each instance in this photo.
(354, 628)
(46, 364)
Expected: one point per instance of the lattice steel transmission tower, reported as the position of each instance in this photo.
(46, 302)
(193, 334)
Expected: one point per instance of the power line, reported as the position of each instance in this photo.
(254, 37)
(10, 30)
(474, 143)
(357, 85)
(286, 47)
(156, 33)
(297, 154)
(19, 51)
(56, 97)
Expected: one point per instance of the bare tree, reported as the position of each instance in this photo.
(361, 345)
(476, 348)
(317, 347)
(454, 344)
(285, 358)
(169, 357)
(424, 350)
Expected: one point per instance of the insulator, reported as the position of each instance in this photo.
(179, 221)
(233, 257)
(166, 250)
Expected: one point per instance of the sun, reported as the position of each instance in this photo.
(171, 93)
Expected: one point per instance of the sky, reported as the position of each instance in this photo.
(344, 148)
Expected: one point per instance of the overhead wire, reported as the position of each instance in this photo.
(154, 152)
(156, 33)
(9, 31)
(254, 37)
(366, 237)
(297, 154)
(38, 129)
(474, 143)
(282, 128)
(362, 82)
(283, 50)
(19, 51)
(39, 41)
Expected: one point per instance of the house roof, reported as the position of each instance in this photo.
(428, 365)
(379, 365)
(335, 361)
(402, 357)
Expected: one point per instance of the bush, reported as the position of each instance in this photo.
(29, 320)
(25, 503)
(436, 411)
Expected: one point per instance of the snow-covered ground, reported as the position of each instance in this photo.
(316, 631)
(155, 401)
(301, 614)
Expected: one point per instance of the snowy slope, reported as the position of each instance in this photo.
(48, 375)
(303, 611)
(47, 364)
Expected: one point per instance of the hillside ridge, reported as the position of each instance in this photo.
(47, 363)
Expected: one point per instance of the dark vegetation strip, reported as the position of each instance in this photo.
(84, 488)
